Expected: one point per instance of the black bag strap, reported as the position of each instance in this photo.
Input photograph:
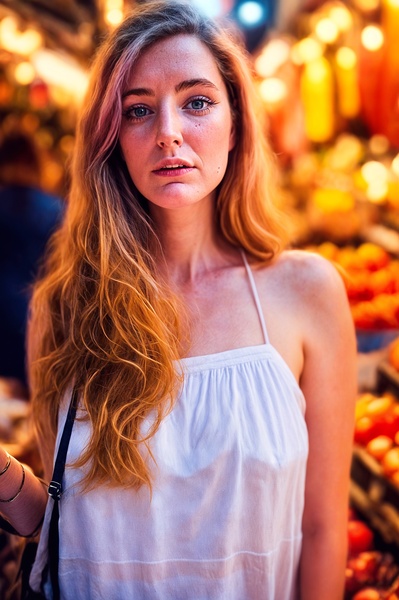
(55, 486)
(55, 491)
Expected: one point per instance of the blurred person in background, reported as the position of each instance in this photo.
(215, 369)
(28, 216)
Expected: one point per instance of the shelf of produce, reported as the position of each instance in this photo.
(374, 495)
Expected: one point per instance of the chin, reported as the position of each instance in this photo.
(177, 201)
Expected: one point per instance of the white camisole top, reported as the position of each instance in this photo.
(224, 521)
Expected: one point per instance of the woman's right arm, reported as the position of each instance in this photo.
(23, 496)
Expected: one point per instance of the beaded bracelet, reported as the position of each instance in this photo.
(7, 465)
(20, 487)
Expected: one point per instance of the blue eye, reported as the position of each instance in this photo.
(136, 113)
(139, 111)
(198, 104)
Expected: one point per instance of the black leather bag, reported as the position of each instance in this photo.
(55, 492)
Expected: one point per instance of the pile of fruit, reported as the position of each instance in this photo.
(370, 574)
(377, 429)
(371, 278)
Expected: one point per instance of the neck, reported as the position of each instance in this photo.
(191, 243)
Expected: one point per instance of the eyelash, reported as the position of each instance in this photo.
(129, 112)
(207, 101)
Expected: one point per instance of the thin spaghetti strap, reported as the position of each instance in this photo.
(256, 296)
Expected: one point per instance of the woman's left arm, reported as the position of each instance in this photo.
(329, 383)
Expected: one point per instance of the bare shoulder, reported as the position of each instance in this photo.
(306, 307)
(304, 274)
(307, 267)
(308, 288)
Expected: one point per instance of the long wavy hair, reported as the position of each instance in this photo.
(102, 318)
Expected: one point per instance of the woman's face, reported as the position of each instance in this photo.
(177, 128)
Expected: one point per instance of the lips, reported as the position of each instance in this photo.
(172, 167)
(175, 167)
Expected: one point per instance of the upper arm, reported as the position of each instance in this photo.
(329, 383)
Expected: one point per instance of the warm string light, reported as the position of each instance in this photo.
(342, 18)
(375, 174)
(24, 73)
(275, 54)
(273, 92)
(113, 12)
(58, 71)
(19, 42)
(327, 31)
(306, 50)
(372, 38)
(374, 171)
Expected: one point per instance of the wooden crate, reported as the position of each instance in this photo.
(375, 496)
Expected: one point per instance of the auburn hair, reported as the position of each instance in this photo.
(102, 318)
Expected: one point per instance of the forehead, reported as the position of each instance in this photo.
(179, 57)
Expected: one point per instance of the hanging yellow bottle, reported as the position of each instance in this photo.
(347, 82)
(317, 92)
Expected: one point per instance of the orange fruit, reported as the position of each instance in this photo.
(379, 446)
(328, 250)
(364, 430)
(382, 282)
(390, 461)
(347, 258)
(379, 406)
(367, 594)
(361, 405)
(360, 537)
(372, 257)
(364, 315)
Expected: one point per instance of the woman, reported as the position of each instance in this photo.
(215, 372)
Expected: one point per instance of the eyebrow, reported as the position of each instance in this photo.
(180, 87)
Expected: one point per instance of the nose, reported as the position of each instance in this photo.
(169, 132)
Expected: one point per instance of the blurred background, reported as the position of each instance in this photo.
(327, 73)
